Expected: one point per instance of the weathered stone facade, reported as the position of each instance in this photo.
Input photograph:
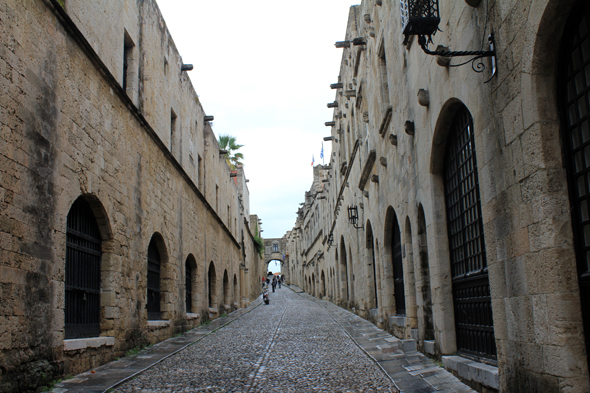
(96, 107)
(397, 115)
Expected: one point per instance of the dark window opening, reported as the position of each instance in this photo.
(189, 287)
(82, 275)
(574, 102)
(153, 289)
(471, 290)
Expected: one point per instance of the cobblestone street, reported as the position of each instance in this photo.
(295, 344)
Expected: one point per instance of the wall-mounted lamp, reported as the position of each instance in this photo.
(331, 240)
(353, 216)
(186, 67)
(422, 18)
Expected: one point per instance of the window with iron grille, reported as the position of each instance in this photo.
(82, 272)
(189, 287)
(574, 100)
(471, 290)
(153, 282)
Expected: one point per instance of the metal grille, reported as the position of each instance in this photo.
(398, 270)
(153, 290)
(419, 17)
(82, 275)
(575, 109)
(189, 287)
(471, 294)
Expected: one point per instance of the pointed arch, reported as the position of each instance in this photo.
(393, 252)
(190, 286)
(212, 286)
(157, 256)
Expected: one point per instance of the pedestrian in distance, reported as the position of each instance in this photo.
(279, 282)
(274, 283)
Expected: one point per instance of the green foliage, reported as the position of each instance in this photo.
(233, 158)
(62, 3)
(135, 350)
(258, 242)
(224, 315)
(48, 388)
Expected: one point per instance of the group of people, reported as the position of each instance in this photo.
(276, 280)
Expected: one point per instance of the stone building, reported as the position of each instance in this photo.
(453, 210)
(120, 222)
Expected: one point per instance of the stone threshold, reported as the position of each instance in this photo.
(470, 370)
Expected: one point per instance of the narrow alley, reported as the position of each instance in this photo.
(297, 343)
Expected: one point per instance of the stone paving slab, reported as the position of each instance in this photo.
(411, 371)
(112, 374)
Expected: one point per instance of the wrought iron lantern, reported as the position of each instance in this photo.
(353, 216)
(421, 18)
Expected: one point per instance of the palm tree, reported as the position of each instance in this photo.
(228, 143)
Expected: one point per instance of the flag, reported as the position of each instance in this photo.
(322, 153)
(312, 160)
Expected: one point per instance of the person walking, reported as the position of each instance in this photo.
(274, 283)
(279, 282)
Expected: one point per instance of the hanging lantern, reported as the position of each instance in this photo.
(419, 17)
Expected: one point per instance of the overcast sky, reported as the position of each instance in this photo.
(263, 68)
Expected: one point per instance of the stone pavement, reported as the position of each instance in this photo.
(296, 344)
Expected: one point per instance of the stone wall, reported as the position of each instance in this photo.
(70, 130)
(395, 106)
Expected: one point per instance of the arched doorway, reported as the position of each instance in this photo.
(373, 299)
(392, 231)
(226, 298)
(574, 102)
(190, 281)
(212, 286)
(323, 285)
(344, 286)
(474, 325)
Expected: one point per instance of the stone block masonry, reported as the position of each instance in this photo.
(75, 123)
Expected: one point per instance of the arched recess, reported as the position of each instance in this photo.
(425, 318)
(226, 293)
(82, 272)
(394, 280)
(474, 327)
(574, 104)
(157, 258)
(323, 285)
(372, 266)
(409, 275)
(350, 265)
(212, 286)
(343, 266)
(313, 292)
(236, 290)
(190, 284)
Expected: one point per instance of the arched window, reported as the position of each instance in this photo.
(574, 100)
(153, 282)
(188, 278)
(82, 274)
(471, 290)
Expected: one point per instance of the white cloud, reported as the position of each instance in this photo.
(263, 69)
